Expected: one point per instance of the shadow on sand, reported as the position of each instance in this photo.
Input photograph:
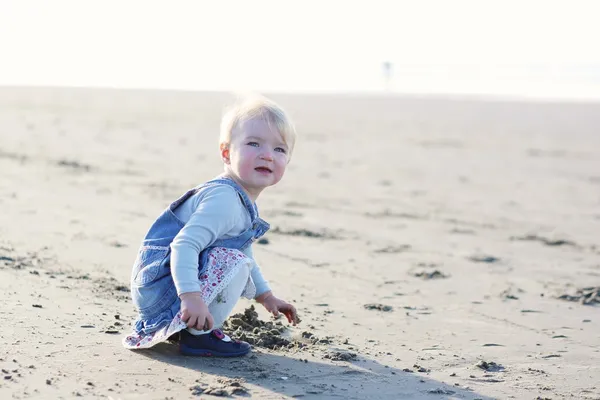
(289, 376)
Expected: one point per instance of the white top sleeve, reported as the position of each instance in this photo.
(209, 215)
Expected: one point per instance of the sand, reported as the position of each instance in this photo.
(426, 243)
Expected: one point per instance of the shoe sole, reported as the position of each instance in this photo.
(188, 351)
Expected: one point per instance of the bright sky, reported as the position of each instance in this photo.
(537, 48)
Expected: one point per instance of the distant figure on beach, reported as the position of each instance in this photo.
(387, 75)
(196, 260)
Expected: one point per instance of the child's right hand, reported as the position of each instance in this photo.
(194, 312)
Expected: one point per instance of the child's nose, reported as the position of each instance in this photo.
(267, 155)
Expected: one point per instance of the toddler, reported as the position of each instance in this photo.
(196, 260)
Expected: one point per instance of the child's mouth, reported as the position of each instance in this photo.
(263, 170)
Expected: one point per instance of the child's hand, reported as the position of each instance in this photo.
(275, 306)
(194, 312)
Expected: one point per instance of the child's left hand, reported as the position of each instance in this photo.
(275, 305)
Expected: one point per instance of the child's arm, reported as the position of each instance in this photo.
(216, 213)
(265, 296)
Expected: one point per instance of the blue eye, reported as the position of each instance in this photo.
(253, 144)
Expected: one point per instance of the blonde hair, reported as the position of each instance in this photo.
(256, 106)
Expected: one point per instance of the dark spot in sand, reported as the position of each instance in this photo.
(76, 165)
(585, 296)
(508, 294)
(378, 307)
(483, 258)
(441, 391)
(490, 380)
(552, 356)
(393, 249)
(435, 274)
(121, 288)
(80, 277)
(305, 233)
(489, 366)
(546, 241)
(87, 326)
(493, 345)
(421, 369)
(540, 371)
(37, 305)
(21, 262)
(117, 244)
(340, 356)
(530, 311)
(263, 241)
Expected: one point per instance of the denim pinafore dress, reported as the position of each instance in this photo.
(152, 288)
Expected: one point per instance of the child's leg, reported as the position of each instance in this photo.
(223, 304)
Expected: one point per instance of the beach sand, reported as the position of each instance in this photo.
(425, 242)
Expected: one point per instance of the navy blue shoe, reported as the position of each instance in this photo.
(213, 344)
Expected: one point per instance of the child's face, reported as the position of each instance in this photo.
(257, 155)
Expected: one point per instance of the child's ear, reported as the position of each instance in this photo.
(224, 152)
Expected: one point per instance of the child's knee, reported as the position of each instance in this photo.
(244, 271)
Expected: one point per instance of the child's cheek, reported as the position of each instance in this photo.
(247, 167)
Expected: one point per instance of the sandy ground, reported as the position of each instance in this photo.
(467, 219)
